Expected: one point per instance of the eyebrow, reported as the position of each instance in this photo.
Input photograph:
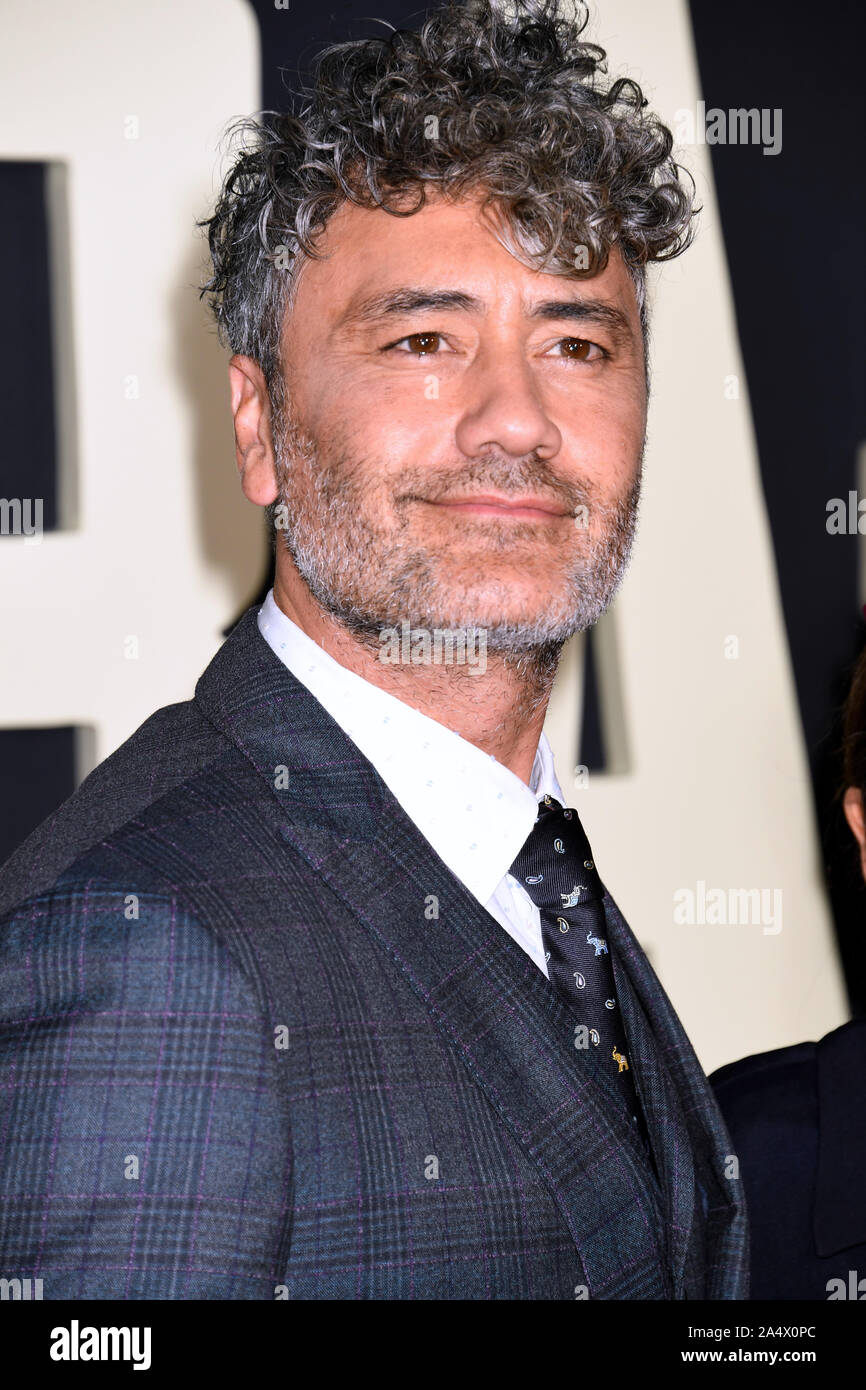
(409, 300)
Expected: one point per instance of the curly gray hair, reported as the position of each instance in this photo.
(510, 104)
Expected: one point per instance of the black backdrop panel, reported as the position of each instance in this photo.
(37, 773)
(27, 454)
(793, 229)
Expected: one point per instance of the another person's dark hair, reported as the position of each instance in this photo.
(854, 730)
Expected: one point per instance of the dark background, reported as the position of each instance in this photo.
(793, 228)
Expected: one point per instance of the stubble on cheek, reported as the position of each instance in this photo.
(374, 553)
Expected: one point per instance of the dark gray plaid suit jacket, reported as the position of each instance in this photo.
(241, 1058)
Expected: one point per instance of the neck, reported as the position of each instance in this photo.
(499, 706)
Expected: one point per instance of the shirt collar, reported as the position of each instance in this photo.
(473, 810)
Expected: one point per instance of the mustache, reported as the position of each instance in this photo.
(499, 473)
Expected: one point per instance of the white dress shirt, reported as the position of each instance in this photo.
(473, 810)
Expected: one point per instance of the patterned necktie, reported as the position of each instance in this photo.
(557, 870)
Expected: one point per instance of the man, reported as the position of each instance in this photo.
(313, 990)
(798, 1117)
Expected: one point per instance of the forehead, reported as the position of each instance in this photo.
(447, 244)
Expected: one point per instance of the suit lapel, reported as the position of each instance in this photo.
(492, 1004)
(673, 1156)
(704, 1207)
(482, 992)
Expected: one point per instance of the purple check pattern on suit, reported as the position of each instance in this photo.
(329, 1093)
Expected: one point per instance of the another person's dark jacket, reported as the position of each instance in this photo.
(797, 1118)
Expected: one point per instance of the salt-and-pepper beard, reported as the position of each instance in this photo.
(369, 579)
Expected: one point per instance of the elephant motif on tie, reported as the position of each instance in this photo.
(621, 1059)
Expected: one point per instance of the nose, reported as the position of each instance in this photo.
(503, 408)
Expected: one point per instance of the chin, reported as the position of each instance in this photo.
(489, 614)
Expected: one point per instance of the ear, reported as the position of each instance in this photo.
(853, 806)
(254, 445)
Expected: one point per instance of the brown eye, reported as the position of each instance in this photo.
(576, 348)
(421, 343)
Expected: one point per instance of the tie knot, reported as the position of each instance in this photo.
(555, 865)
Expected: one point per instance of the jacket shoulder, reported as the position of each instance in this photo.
(172, 746)
(765, 1074)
